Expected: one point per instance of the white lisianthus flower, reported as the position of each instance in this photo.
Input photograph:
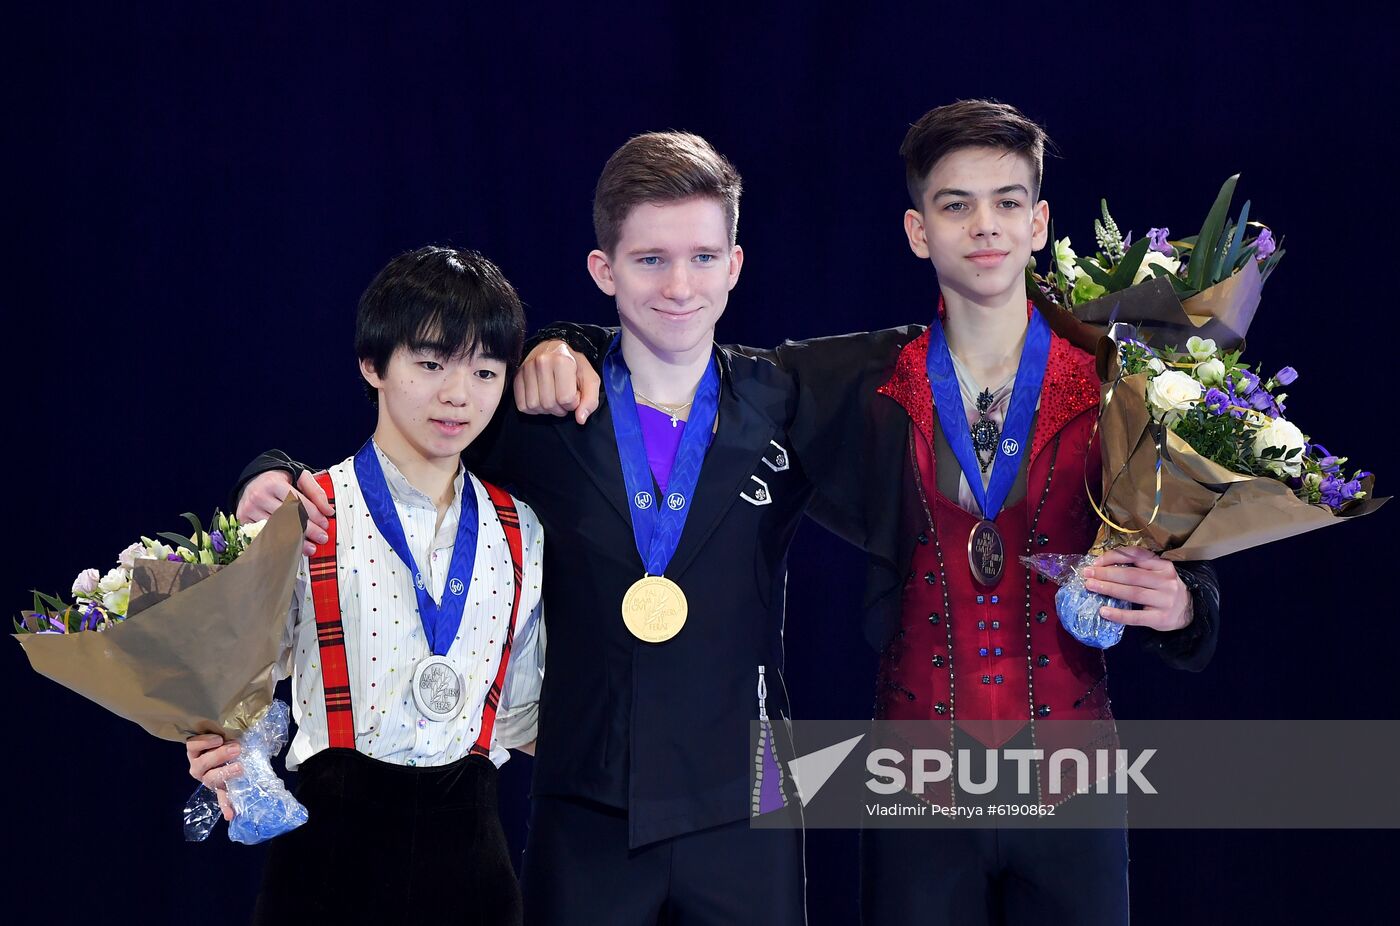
(117, 601)
(1280, 432)
(1171, 393)
(252, 530)
(1156, 366)
(1155, 259)
(155, 549)
(128, 557)
(86, 583)
(1064, 261)
(1200, 349)
(1212, 372)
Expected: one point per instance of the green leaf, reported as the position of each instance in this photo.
(179, 541)
(1181, 287)
(1227, 263)
(194, 522)
(54, 604)
(1095, 272)
(1207, 242)
(1128, 267)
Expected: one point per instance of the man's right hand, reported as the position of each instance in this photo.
(554, 380)
(264, 494)
(212, 765)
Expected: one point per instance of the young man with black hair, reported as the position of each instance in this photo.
(414, 643)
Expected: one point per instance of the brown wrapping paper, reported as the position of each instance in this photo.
(1223, 312)
(198, 653)
(1206, 510)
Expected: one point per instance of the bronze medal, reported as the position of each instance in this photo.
(985, 553)
(654, 609)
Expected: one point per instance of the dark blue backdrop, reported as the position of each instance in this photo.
(199, 192)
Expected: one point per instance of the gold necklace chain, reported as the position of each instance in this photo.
(671, 410)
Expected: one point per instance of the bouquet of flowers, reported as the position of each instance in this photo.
(1207, 285)
(100, 601)
(183, 637)
(1199, 461)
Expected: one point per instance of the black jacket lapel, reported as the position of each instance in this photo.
(743, 436)
(594, 446)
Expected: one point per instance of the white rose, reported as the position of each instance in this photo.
(1155, 259)
(1281, 433)
(251, 531)
(1200, 349)
(1212, 372)
(1172, 393)
(115, 580)
(1064, 260)
(128, 557)
(86, 583)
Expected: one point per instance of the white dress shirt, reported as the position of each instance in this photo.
(384, 638)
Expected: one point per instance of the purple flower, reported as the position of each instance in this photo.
(1216, 401)
(1248, 382)
(1286, 376)
(1235, 410)
(1337, 492)
(1158, 236)
(174, 557)
(216, 539)
(1260, 401)
(1264, 245)
(1321, 454)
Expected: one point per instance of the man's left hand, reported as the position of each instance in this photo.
(1148, 581)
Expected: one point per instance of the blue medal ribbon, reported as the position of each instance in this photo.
(657, 524)
(952, 417)
(440, 619)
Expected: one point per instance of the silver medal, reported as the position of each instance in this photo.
(437, 688)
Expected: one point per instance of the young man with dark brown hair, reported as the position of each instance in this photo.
(974, 435)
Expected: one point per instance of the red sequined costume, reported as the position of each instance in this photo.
(995, 661)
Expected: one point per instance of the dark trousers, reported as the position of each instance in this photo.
(578, 869)
(390, 843)
(979, 877)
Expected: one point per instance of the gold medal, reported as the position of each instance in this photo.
(654, 609)
(985, 553)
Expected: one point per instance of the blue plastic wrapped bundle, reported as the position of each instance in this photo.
(1077, 606)
(263, 807)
